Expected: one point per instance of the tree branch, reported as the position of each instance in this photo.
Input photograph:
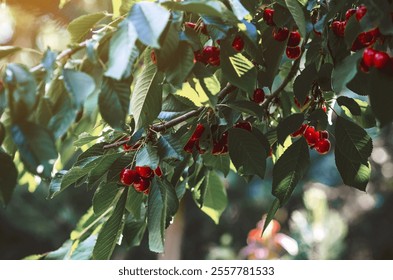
(164, 126)
(225, 91)
(64, 54)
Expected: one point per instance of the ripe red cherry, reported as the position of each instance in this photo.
(300, 131)
(338, 28)
(293, 53)
(323, 146)
(142, 184)
(350, 13)
(144, 171)
(294, 39)
(200, 128)
(268, 16)
(368, 57)
(258, 96)
(244, 125)
(211, 55)
(158, 171)
(218, 148)
(128, 176)
(238, 44)
(360, 12)
(367, 38)
(280, 34)
(311, 135)
(381, 59)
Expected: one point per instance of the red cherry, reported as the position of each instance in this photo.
(368, 57)
(142, 184)
(258, 96)
(158, 171)
(280, 34)
(338, 28)
(238, 44)
(198, 56)
(318, 33)
(300, 131)
(367, 38)
(128, 176)
(268, 16)
(147, 191)
(381, 59)
(293, 53)
(323, 146)
(323, 107)
(244, 125)
(144, 171)
(214, 61)
(311, 135)
(360, 12)
(350, 13)
(294, 39)
(324, 134)
(200, 128)
(211, 55)
(218, 148)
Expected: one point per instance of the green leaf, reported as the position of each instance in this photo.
(238, 9)
(208, 8)
(146, 99)
(248, 107)
(64, 116)
(63, 253)
(353, 173)
(148, 156)
(290, 169)
(319, 118)
(84, 138)
(350, 103)
(134, 231)
(325, 77)
(217, 162)
(105, 196)
(110, 232)
(156, 218)
(150, 20)
(8, 50)
(169, 147)
(114, 101)
(366, 118)
(303, 83)
(95, 165)
(79, 84)
(239, 71)
(21, 85)
(182, 66)
(81, 26)
(134, 202)
(36, 147)
(344, 72)
(288, 126)
(215, 198)
(246, 152)
(84, 250)
(298, 15)
(352, 30)
(169, 42)
(55, 184)
(353, 140)
(122, 51)
(8, 177)
(270, 215)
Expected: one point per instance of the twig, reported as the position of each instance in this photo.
(64, 54)
(164, 126)
(225, 91)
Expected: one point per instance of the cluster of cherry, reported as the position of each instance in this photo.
(220, 146)
(211, 54)
(364, 39)
(140, 177)
(281, 34)
(374, 58)
(318, 140)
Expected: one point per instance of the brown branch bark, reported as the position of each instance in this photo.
(225, 91)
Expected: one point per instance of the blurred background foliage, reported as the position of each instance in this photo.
(326, 221)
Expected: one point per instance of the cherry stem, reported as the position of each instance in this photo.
(229, 88)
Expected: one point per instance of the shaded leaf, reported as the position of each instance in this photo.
(288, 126)
(81, 26)
(289, 170)
(350, 103)
(105, 196)
(298, 15)
(8, 177)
